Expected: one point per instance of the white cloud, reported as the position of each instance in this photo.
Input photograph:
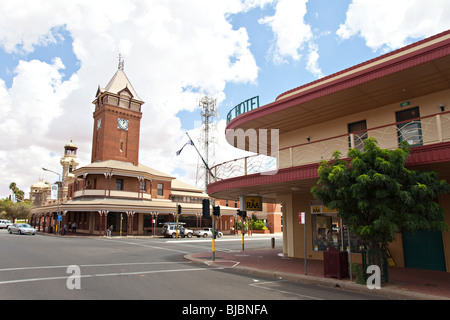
(289, 27)
(388, 25)
(175, 51)
(312, 64)
(292, 33)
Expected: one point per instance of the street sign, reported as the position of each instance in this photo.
(301, 218)
(54, 192)
(251, 203)
(59, 217)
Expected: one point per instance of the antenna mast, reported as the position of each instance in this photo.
(207, 140)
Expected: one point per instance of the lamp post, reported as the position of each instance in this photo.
(57, 198)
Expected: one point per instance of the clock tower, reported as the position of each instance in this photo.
(117, 119)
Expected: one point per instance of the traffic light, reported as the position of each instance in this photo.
(216, 211)
(179, 209)
(205, 208)
(242, 214)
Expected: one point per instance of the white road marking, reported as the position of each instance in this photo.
(101, 274)
(260, 285)
(91, 265)
(144, 245)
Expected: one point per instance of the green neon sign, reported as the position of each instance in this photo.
(243, 107)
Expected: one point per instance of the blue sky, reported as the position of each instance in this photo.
(54, 54)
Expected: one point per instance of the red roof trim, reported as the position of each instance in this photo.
(403, 62)
(408, 47)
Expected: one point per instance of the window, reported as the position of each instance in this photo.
(410, 131)
(359, 130)
(119, 184)
(142, 185)
(160, 189)
(327, 232)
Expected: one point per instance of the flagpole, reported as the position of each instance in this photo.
(207, 167)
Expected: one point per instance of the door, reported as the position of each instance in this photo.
(359, 130)
(424, 250)
(410, 131)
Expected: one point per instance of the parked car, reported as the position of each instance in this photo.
(22, 228)
(207, 232)
(5, 223)
(169, 230)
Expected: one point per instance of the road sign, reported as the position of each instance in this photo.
(252, 204)
(301, 217)
(59, 217)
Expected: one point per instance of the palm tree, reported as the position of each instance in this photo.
(13, 188)
(17, 194)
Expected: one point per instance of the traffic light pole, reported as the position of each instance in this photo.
(243, 215)
(243, 232)
(213, 240)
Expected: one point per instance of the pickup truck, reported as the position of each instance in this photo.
(207, 232)
(169, 230)
(4, 224)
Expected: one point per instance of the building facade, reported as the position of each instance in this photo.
(402, 95)
(115, 189)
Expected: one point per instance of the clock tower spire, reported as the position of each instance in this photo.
(117, 119)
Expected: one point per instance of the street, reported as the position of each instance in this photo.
(86, 268)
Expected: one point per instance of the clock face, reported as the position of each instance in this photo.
(122, 124)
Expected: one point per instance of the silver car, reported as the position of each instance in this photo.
(22, 228)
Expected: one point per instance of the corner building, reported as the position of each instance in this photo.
(402, 95)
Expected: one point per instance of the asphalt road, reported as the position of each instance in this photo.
(37, 267)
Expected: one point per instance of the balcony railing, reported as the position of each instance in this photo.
(420, 131)
(112, 193)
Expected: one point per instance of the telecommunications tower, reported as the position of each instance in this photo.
(207, 139)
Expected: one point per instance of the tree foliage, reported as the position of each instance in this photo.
(15, 210)
(18, 195)
(377, 196)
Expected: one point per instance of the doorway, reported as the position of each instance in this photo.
(409, 131)
(114, 219)
(424, 250)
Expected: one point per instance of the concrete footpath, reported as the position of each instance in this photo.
(404, 283)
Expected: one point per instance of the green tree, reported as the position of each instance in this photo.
(377, 196)
(15, 210)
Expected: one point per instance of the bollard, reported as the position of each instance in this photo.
(273, 242)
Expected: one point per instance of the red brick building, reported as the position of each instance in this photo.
(115, 189)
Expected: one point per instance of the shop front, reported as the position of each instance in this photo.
(329, 232)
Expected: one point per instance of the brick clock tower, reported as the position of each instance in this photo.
(117, 119)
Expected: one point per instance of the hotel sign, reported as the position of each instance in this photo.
(243, 107)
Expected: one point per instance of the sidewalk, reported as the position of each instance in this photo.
(404, 283)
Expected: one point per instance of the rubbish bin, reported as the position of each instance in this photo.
(335, 264)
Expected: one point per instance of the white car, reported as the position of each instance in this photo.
(5, 223)
(22, 228)
(170, 230)
(207, 232)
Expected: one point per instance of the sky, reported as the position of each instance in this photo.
(54, 54)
